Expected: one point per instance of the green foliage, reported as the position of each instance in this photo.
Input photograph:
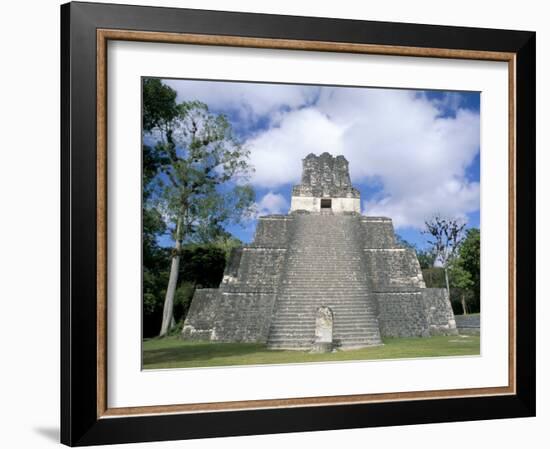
(464, 271)
(197, 171)
(226, 242)
(182, 302)
(434, 277)
(159, 104)
(201, 266)
(459, 277)
(195, 182)
(470, 262)
(426, 259)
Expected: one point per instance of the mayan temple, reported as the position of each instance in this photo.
(322, 275)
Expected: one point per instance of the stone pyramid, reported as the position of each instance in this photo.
(323, 255)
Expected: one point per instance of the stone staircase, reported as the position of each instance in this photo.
(324, 267)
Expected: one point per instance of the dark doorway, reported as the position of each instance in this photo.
(326, 204)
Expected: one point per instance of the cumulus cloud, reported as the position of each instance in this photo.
(397, 139)
(276, 153)
(250, 101)
(416, 149)
(272, 203)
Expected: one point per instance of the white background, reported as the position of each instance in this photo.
(29, 318)
(129, 386)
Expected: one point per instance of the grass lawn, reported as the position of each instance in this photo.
(171, 352)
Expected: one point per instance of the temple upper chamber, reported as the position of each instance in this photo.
(325, 187)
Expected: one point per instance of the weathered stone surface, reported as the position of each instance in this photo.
(402, 314)
(325, 175)
(377, 232)
(468, 324)
(300, 263)
(229, 317)
(325, 185)
(323, 325)
(324, 266)
(324, 322)
(440, 314)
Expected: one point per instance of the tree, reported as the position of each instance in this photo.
(446, 235)
(470, 262)
(201, 180)
(426, 259)
(462, 280)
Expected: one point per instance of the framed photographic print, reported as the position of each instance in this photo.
(280, 224)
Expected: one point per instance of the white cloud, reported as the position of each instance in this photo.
(276, 153)
(272, 203)
(250, 100)
(397, 139)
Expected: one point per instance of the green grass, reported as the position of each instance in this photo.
(171, 352)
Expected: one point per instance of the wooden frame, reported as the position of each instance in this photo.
(86, 29)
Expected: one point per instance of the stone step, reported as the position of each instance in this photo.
(343, 317)
(309, 319)
(351, 287)
(337, 311)
(294, 330)
(305, 345)
(282, 327)
(325, 266)
(340, 318)
(325, 273)
(296, 325)
(343, 283)
(336, 335)
(322, 295)
(290, 289)
(339, 315)
(300, 287)
(367, 324)
(311, 307)
(310, 338)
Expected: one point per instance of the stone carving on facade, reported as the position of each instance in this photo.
(324, 321)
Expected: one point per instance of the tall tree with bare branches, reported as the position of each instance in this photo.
(445, 236)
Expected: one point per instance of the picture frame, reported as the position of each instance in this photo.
(86, 28)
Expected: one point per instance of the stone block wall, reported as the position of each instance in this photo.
(243, 308)
(402, 314)
(377, 232)
(272, 231)
(440, 314)
(393, 267)
(243, 317)
(229, 317)
(259, 270)
(240, 310)
(203, 311)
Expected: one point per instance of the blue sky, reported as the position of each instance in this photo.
(412, 153)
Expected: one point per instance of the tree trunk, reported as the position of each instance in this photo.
(168, 311)
(463, 300)
(447, 283)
